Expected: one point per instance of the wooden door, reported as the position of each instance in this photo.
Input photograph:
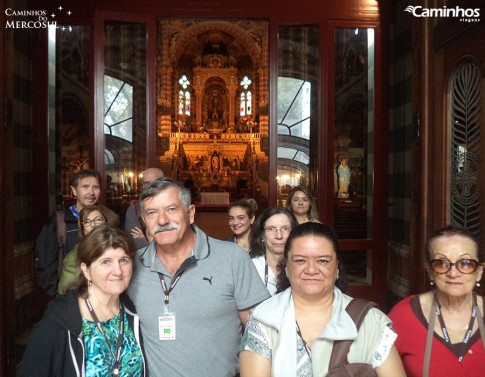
(452, 128)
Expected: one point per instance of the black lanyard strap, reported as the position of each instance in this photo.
(468, 331)
(166, 291)
(266, 273)
(307, 347)
(119, 346)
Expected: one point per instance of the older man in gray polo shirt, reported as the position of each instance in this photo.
(192, 292)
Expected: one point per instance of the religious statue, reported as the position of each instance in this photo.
(215, 163)
(215, 108)
(343, 175)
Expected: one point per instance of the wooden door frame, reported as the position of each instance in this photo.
(6, 238)
(377, 243)
(98, 69)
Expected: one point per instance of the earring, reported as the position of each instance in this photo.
(478, 284)
(90, 283)
(262, 240)
(431, 283)
(338, 277)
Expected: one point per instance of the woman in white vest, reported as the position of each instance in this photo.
(293, 333)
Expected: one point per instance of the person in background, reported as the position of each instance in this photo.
(300, 201)
(192, 292)
(292, 333)
(89, 218)
(242, 214)
(92, 331)
(134, 224)
(86, 188)
(268, 239)
(451, 308)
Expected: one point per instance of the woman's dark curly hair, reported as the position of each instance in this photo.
(257, 245)
(304, 230)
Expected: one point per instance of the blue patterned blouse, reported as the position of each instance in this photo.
(99, 358)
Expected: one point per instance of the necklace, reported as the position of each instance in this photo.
(244, 245)
(469, 328)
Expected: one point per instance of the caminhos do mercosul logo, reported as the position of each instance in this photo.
(17, 18)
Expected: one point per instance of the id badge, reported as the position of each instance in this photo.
(166, 326)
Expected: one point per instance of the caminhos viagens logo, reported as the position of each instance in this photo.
(462, 14)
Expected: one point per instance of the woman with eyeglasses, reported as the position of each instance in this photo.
(89, 218)
(268, 238)
(440, 332)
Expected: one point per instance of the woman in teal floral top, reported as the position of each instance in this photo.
(93, 331)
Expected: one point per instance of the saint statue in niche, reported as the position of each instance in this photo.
(215, 110)
(343, 174)
(215, 163)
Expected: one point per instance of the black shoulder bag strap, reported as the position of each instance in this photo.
(357, 309)
(61, 237)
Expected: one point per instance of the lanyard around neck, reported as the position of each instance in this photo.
(74, 211)
(468, 331)
(266, 273)
(167, 290)
(307, 347)
(119, 346)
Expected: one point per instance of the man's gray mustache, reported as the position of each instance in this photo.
(163, 228)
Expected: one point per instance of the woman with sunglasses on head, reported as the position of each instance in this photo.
(440, 332)
(89, 218)
(268, 238)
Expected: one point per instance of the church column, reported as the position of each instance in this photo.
(163, 86)
(199, 91)
(263, 86)
(232, 92)
(198, 108)
(263, 101)
(164, 101)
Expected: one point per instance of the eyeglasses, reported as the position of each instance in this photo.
(285, 230)
(96, 221)
(465, 266)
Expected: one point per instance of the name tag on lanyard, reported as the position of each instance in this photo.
(166, 326)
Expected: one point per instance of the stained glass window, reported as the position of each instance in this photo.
(246, 97)
(184, 96)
